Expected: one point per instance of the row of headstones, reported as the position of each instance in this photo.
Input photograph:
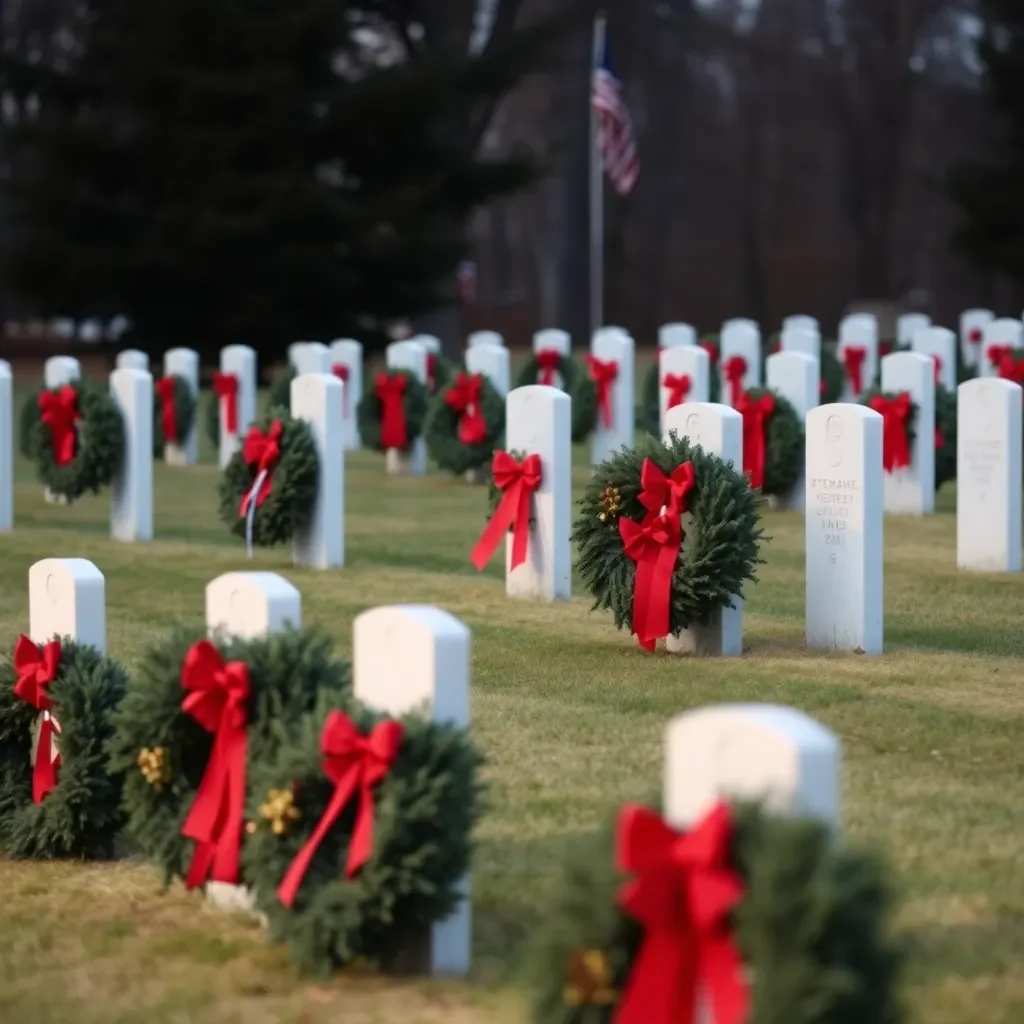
(416, 658)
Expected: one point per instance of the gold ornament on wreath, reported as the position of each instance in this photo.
(279, 811)
(155, 766)
(588, 979)
(609, 504)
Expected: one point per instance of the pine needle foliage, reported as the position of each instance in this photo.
(945, 424)
(784, 445)
(294, 479)
(577, 384)
(832, 375)
(424, 812)
(27, 420)
(287, 670)
(184, 414)
(279, 394)
(813, 928)
(211, 417)
(81, 816)
(720, 547)
(370, 409)
(441, 431)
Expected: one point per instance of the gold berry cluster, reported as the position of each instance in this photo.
(588, 979)
(279, 810)
(610, 503)
(155, 766)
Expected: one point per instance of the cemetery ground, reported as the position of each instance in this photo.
(570, 715)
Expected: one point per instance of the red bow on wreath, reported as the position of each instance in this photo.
(354, 763)
(340, 370)
(683, 894)
(59, 411)
(548, 361)
(997, 353)
(712, 350)
(678, 386)
(391, 395)
(937, 360)
(431, 372)
(225, 387)
(755, 413)
(518, 482)
(463, 399)
(975, 335)
(895, 414)
(260, 452)
(36, 670)
(1010, 368)
(217, 697)
(734, 368)
(165, 392)
(603, 372)
(853, 362)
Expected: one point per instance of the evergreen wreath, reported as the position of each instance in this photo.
(471, 408)
(285, 501)
(812, 928)
(576, 383)
(80, 446)
(832, 375)
(439, 373)
(424, 808)
(784, 445)
(279, 394)
(719, 549)
(27, 420)
(890, 455)
(163, 752)
(184, 406)
(370, 410)
(211, 418)
(945, 435)
(80, 816)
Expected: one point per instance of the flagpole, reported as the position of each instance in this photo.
(596, 192)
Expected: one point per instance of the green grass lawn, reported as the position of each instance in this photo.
(570, 715)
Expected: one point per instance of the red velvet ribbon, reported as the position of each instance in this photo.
(734, 368)
(355, 764)
(937, 360)
(975, 335)
(431, 372)
(712, 350)
(216, 699)
(225, 387)
(165, 392)
(853, 359)
(261, 451)
(36, 670)
(895, 413)
(683, 894)
(391, 395)
(755, 413)
(654, 544)
(518, 482)
(603, 372)
(340, 370)
(463, 398)
(1010, 368)
(997, 353)
(678, 385)
(548, 361)
(59, 411)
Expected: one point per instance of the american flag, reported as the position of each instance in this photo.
(615, 127)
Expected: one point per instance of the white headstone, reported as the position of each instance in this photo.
(972, 334)
(939, 345)
(132, 359)
(184, 363)
(912, 490)
(740, 338)
(131, 506)
(794, 376)
(410, 356)
(552, 337)
(239, 361)
(801, 322)
(348, 354)
(251, 604)
(538, 421)
(908, 324)
(670, 335)
(615, 347)
(988, 475)
(676, 364)
(408, 658)
(66, 597)
(316, 398)
(484, 338)
(751, 752)
(312, 357)
(859, 331)
(718, 429)
(428, 341)
(1005, 331)
(293, 352)
(843, 524)
(805, 340)
(494, 362)
(60, 370)
(6, 448)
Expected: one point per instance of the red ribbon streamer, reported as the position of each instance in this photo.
(895, 413)
(354, 763)
(340, 370)
(225, 387)
(391, 395)
(734, 369)
(603, 372)
(165, 392)
(36, 670)
(517, 481)
(217, 696)
(463, 398)
(431, 372)
(684, 894)
(937, 360)
(755, 413)
(548, 361)
(853, 361)
(59, 411)
(261, 451)
(712, 350)
(678, 385)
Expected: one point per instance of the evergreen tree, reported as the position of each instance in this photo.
(250, 171)
(989, 191)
